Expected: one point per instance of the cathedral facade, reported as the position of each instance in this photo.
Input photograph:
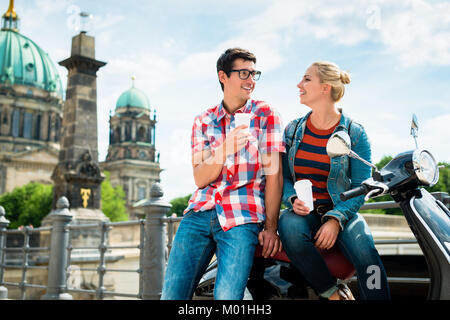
(31, 100)
(31, 123)
(132, 160)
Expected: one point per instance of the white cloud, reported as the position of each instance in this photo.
(201, 64)
(108, 20)
(48, 7)
(152, 71)
(417, 32)
(434, 136)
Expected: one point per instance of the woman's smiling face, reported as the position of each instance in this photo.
(311, 89)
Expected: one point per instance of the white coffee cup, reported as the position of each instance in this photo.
(242, 118)
(303, 188)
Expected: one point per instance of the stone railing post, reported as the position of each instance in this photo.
(57, 265)
(154, 262)
(3, 225)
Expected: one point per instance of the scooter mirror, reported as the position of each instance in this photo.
(414, 128)
(339, 144)
(415, 122)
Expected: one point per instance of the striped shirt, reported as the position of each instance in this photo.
(313, 163)
(237, 194)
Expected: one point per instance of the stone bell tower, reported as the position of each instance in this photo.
(77, 175)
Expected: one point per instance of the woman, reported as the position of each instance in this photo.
(331, 220)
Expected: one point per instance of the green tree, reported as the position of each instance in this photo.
(27, 205)
(443, 185)
(178, 205)
(384, 161)
(113, 200)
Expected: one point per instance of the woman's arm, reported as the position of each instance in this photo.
(345, 210)
(288, 184)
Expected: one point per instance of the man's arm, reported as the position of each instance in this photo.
(207, 166)
(268, 238)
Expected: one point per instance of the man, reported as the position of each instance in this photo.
(238, 175)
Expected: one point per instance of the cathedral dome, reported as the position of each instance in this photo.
(23, 62)
(133, 98)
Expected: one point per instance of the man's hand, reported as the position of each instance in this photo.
(327, 234)
(235, 140)
(270, 242)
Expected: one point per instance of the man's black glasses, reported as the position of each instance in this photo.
(245, 73)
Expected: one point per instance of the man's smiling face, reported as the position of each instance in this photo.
(236, 88)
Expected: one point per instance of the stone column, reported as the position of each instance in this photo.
(77, 175)
(3, 225)
(154, 262)
(57, 265)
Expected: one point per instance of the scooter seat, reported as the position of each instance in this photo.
(337, 263)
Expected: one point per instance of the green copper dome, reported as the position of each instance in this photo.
(23, 62)
(133, 98)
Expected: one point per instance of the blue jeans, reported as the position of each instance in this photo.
(198, 237)
(356, 243)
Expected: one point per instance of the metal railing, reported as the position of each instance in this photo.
(103, 247)
(25, 265)
(156, 235)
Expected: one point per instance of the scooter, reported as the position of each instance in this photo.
(428, 218)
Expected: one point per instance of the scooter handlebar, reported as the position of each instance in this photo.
(352, 193)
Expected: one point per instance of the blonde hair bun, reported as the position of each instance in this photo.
(345, 77)
(330, 73)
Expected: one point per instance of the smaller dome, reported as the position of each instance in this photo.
(133, 98)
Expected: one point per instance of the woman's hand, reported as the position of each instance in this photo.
(299, 207)
(327, 234)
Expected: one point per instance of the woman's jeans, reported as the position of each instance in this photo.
(356, 243)
(198, 237)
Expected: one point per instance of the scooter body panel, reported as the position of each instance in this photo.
(430, 223)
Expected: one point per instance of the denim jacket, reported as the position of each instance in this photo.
(345, 173)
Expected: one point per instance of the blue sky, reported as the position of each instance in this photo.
(398, 54)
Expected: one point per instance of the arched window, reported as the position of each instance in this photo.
(49, 127)
(141, 192)
(128, 132)
(37, 127)
(15, 123)
(141, 134)
(117, 135)
(111, 136)
(27, 125)
(57, 128)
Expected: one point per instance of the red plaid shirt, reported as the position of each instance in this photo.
(238, 192)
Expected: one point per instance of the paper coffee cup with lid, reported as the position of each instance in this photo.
(242, 118)
(303, 188)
